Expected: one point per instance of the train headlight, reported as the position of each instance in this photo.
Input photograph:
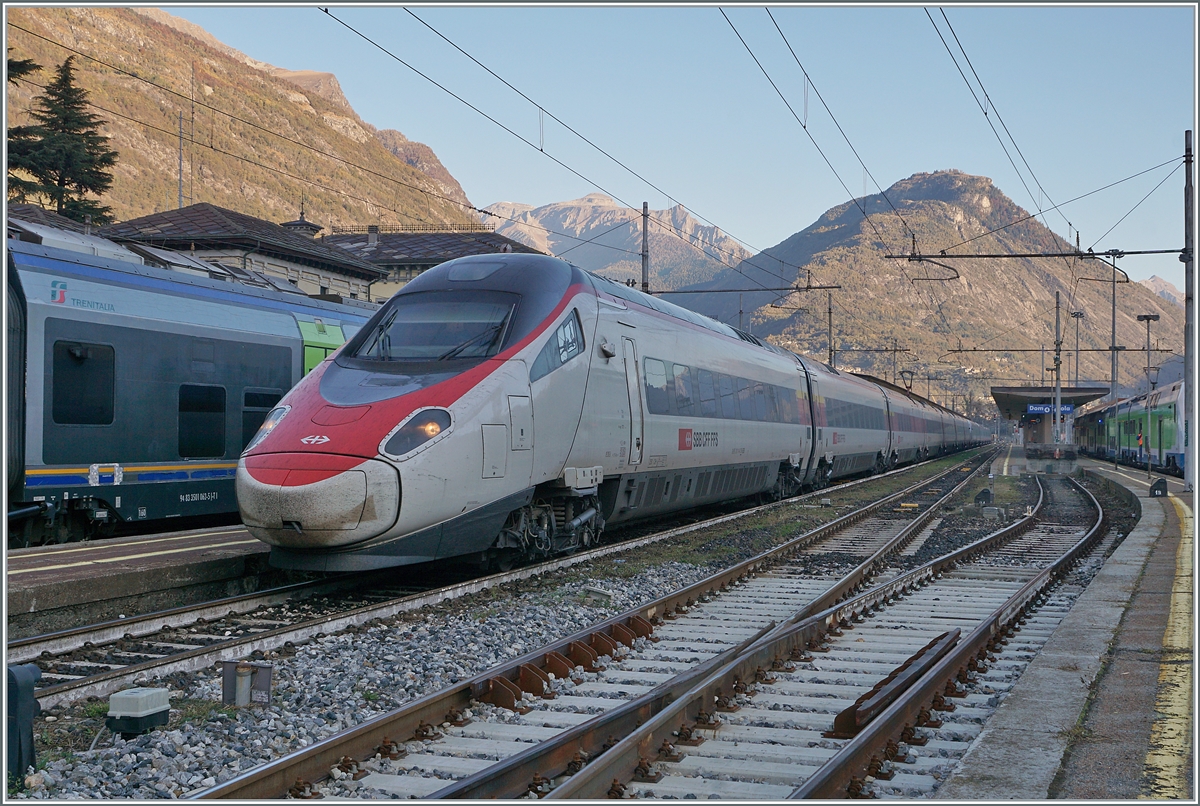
(415, 432)
(272, 419)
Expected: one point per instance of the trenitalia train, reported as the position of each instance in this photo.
(1120, 430)
(502, 407)
(133, 389)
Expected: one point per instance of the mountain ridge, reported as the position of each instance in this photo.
(260, 139)
(682, 249)
(1003, 308)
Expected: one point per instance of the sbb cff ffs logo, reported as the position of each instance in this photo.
(689, 439)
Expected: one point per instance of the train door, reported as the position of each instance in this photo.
(634, 387)
(320, 339)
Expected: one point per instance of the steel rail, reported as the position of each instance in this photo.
(835, 777)
(509, 777)
(313, 763)
(23, 650)
(190, 660)
(34, 647)
(786, 641)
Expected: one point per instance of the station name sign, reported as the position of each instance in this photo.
(1048, 408)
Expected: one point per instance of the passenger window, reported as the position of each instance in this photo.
(201, 421)
(745, 399)
(708, 394)
(255, 407)
(684, 399)
(565, 344)
(656, 387)
(729, 403)
(83, 383)
(760, 402)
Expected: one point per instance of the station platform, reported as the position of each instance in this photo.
(53, 588)
(1105, 710)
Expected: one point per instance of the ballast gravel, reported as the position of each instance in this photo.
(338, 681)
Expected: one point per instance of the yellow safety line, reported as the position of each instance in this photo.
(93, 545)
(1168, 762)
(1007, 456)
(123, 558)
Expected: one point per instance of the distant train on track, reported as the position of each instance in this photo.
(132, 389)
(511, 406)
(1120, 431)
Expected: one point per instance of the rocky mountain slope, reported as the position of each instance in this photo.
(682, 250)
(1003, 310)
(1164, 289)
(252, 141)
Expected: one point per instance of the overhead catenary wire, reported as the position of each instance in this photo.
(523, 139)
(936, 306)
(584, 138)
(337, 158)
(808, 82)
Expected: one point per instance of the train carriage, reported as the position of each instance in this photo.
(512, 406)
(1120, 431)
(133, 389)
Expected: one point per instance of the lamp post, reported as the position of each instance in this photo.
(1148, 318)
(1077, 315)
(1152, 374)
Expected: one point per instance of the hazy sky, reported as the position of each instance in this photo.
(1090, 95)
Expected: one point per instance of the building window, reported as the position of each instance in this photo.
(201, 421)
(83, 383)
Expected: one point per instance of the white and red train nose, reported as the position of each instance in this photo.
(316, 500)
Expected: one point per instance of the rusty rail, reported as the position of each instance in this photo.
(694, 712)
(844, 770)
(505, 684)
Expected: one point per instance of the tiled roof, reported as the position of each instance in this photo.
(395, 248)
(38, 215)
(207, 225)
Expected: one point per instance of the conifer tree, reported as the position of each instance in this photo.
(20, 139)
(71, 157)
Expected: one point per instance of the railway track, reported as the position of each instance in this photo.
(97, 660)
(648, 657)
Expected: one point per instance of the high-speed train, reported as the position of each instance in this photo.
(513, 405)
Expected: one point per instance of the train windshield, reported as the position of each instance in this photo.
(439, 326)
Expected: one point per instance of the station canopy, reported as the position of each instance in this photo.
(1014, 401)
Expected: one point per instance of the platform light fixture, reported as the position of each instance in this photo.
(1148, 318)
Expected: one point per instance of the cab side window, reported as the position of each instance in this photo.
(565, 344)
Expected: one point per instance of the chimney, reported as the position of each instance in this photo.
(372, 234)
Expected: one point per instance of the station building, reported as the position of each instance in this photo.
(1031, 410)
(245, 244)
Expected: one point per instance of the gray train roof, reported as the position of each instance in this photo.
(36, 257)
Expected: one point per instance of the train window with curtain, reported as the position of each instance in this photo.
(565, 344)
(708, 394)
(83, 383)
(685, 399)
(201, 421)
(656, 387)
(256, 404)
